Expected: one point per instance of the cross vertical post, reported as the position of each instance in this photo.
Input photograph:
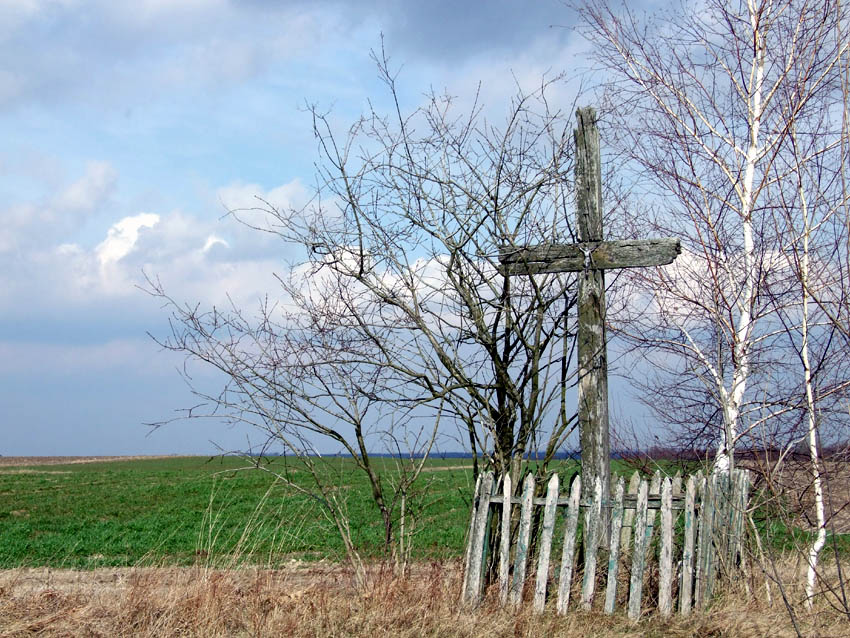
(592, 354)
(590, 257)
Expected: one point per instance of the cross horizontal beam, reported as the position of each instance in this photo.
(592, 255)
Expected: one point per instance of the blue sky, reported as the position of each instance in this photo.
(127, 130)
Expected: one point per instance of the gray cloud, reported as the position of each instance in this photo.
(68, 50)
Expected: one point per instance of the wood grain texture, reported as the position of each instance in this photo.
(569, 550)
(614, 553)
(545, 544)
(478, 541)
(638, 553)
(686, 585)
(523, 539)
(505, 540)
(589, 255)
(665, 553)
(593, 522)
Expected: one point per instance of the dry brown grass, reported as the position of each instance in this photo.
(319, 600)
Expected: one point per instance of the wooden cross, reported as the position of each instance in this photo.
(590, 257)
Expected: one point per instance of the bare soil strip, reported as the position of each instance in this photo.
(18, 461)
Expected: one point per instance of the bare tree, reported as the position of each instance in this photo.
(397, 316)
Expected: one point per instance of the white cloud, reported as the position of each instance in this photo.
(122, 236)
(212, 242)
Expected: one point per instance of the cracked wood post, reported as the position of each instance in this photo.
(592, 355)
(590, 257)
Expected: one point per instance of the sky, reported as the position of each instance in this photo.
(129, 129)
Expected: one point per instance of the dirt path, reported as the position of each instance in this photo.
(18, 461)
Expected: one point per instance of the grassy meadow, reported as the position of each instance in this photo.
(182, 510)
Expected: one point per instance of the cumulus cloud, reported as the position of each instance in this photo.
(122, 236)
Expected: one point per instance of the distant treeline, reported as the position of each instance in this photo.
(667, 453)
(531, 456)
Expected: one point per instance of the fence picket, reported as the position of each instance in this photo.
(665, 555)
(716, 531)
(654, 490)
(505, 540)
(592, 524)
(686, 584)
(741, 510)
(468, 553)
(614, 554)
(713, 509)
(522, 541)
(639, 552)
(479, 540)
(568, 554)
(545, 544)
(703, 538)
(629, 514)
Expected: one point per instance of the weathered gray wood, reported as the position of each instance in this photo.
(505, 540)
(614, 554)
(523, 539)
(545, 544)
(638, 553)
(478, 541)
(628, 501)
(468, 553)
(594, 255)
(665, 556)
(654, 490)
(592, 354)
(686, 585)
(717, 529)
(734, 510)
(741, 512)
(704, 541)
(629, 514)
(565, 578)
(677, 484)
(737, 505)
(593, 522)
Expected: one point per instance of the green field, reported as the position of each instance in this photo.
(200, 510)
(183, 510)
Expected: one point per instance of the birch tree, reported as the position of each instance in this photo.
(702, 101)
(811, 213)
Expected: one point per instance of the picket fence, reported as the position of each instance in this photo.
(706, 546)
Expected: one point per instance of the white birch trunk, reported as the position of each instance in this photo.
(811, 416)
(733, 398)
